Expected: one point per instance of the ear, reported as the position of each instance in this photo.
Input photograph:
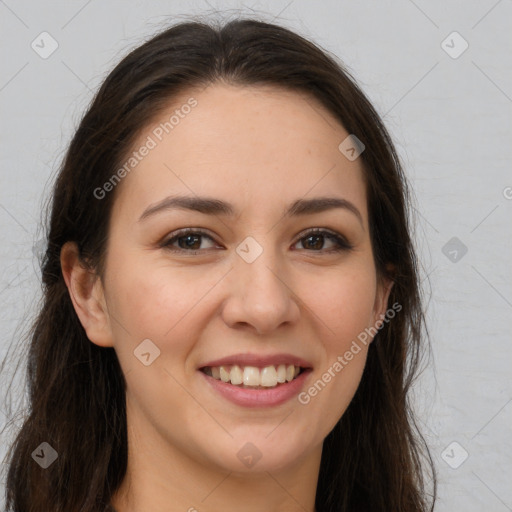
(384, 286)
(86, 291)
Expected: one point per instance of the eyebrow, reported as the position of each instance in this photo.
(211, 206)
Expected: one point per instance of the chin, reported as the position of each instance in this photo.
(257, 452)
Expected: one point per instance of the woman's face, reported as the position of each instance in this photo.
(255, 292)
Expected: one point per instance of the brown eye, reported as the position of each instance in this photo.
(188, 240)
(315, 240)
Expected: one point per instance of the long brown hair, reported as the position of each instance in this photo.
(375, 458)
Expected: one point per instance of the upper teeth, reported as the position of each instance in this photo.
(269, 376)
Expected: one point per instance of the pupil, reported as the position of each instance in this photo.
(190, 240)
(317, 245)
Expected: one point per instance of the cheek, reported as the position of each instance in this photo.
(343, 305)
(154, 296)
(170, 305)
(343, 301)
(152, 300)
(165, 305)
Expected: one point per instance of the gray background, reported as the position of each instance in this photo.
(450, 116)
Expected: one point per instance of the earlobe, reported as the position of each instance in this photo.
(86, 292)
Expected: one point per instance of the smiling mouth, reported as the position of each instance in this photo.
(253, 377)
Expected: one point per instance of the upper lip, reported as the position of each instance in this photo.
(260, 361)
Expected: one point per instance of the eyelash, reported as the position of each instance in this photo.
(340, 241)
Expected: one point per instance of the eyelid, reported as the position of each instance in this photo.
(165, 243)
(340, 240)
(309, 231)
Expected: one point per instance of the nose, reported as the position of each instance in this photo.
(260, 295)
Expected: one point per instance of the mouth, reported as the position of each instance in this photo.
(256, 380)
(254, 377)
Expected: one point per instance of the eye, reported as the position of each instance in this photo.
(315, 238)
(188, 240)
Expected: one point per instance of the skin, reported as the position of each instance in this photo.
(259, 148)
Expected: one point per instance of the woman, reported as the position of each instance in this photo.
(232, 315)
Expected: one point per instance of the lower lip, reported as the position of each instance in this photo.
(258, 397)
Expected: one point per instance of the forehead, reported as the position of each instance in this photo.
(255, 147)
